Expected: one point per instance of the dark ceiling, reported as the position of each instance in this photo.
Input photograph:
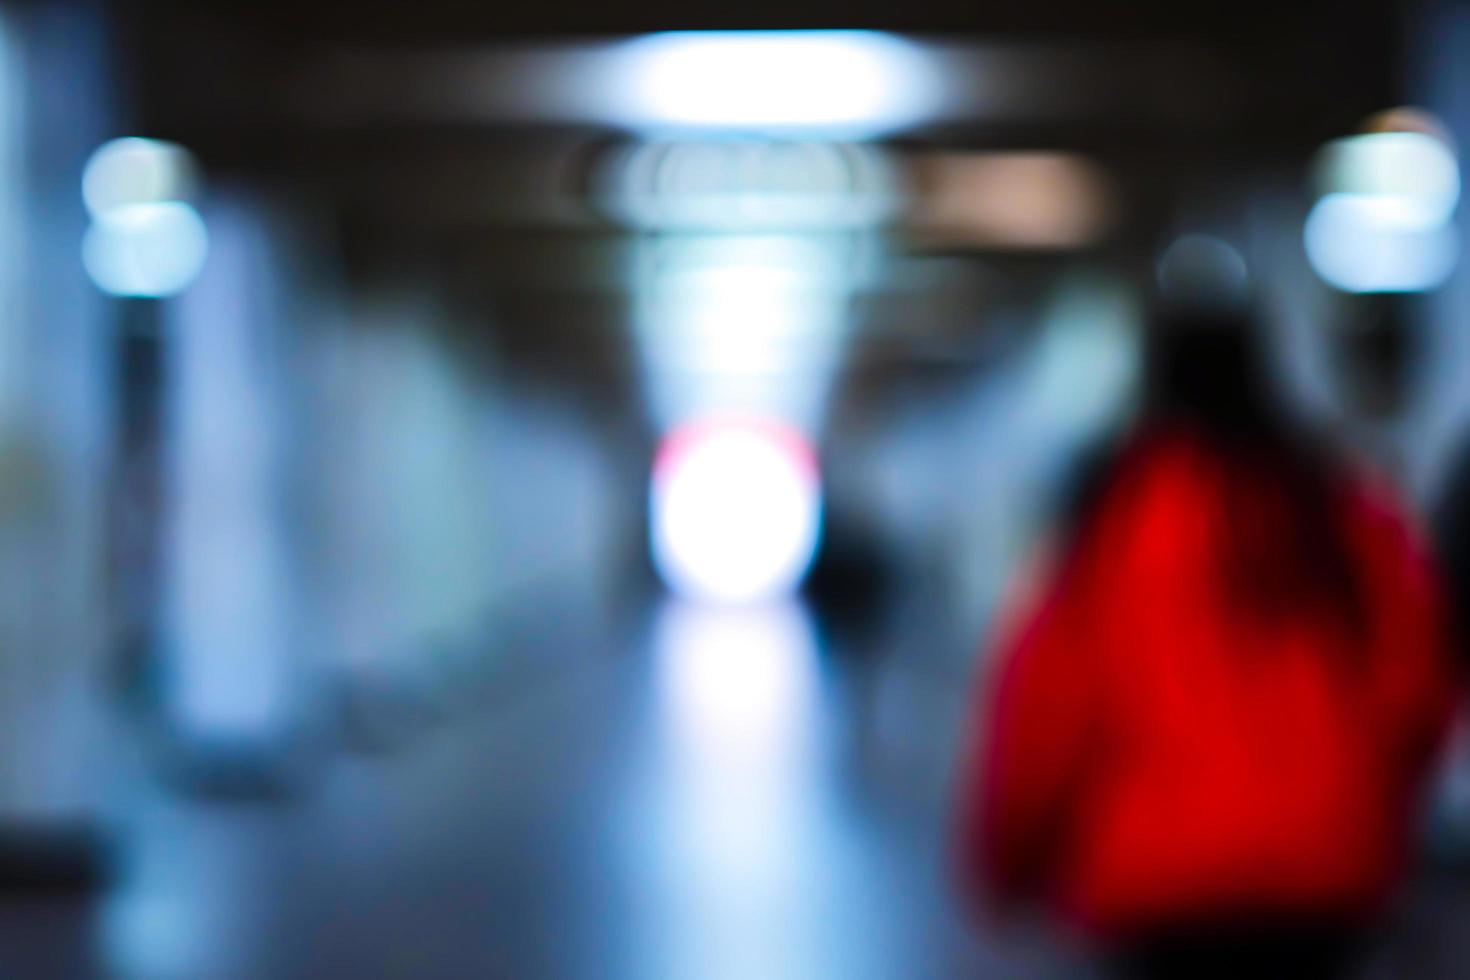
(1188, 95)
(1313, 64)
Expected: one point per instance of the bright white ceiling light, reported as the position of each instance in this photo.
(735, 511)
(145, 239)
(851, 82)
(1361, 243)
(1383, 223)
(130, 171)
(1414, 177)
(145, 250)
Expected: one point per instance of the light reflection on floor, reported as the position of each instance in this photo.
(718, 797)
(739, 833)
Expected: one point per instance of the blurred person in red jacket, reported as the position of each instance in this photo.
(1208, 722)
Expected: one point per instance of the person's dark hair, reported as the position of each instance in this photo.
(1206, 369)
(1206, 375)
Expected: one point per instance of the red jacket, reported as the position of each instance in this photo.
(1148, 757)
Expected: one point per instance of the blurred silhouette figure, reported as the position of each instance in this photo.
(1210, 718)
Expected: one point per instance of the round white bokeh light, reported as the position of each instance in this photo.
(1359, 243)
(735, 511)
(145, 250)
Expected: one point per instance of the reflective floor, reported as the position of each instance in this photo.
(705, 793)
(708, 793)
